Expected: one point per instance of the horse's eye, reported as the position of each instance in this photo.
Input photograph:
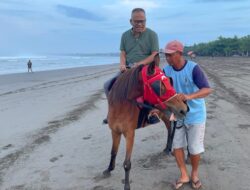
(163, 88)
(156, 86)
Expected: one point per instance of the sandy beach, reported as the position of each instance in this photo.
(52, 137)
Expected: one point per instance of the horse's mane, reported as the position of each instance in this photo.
(124, 85)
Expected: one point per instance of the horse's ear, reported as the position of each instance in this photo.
(156, 62)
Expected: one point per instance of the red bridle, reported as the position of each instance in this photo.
(149, 95)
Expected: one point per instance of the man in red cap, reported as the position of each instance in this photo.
(192, 86)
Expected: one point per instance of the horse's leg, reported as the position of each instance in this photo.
(127, 163)
(167, 123)
(116, 137)
(168, 148)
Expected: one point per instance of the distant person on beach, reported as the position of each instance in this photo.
(192, 86)
(29, 64)
(139, 45)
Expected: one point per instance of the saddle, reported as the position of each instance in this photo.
(144, 117)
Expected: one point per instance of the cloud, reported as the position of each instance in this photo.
(79, 13)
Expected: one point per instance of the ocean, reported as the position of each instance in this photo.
(9, 65)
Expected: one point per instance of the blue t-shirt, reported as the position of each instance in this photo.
(187, 80)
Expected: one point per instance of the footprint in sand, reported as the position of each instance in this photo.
(210, 117)
(244, 126)
(154, 161)
(100, 177)
(213, 135)
(212, 107)
(205, 161)
(55, 158)
(221, 168)
(153, 137)
(7, 146)
(18, 187)
(87, 137)
(100, 187)
(210, 112)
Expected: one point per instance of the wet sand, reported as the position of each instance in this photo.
(52, 135)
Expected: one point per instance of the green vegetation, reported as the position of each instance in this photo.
(222, 47)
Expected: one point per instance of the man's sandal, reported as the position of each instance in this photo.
(179, 184)
(196, 184)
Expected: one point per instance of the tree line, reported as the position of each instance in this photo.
(222, 47)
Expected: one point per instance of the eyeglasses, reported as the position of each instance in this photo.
(139, 21)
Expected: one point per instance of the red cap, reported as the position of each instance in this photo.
(173, 47)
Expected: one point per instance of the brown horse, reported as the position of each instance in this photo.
(123, 113)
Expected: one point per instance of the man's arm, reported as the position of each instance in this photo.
(202, 93)
(122, 61)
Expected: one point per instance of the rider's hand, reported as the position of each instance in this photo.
(123, 68)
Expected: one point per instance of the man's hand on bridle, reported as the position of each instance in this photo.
(183, 97)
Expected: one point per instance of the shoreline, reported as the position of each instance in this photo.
(111, 64)
(72, 68)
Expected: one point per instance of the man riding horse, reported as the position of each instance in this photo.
(139, 45)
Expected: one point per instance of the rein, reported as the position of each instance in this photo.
(171, 97)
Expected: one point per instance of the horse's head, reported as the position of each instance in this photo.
(158, 90)
(173, 106)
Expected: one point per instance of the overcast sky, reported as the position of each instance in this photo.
(40, 27)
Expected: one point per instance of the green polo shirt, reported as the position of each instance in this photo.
(139, 48)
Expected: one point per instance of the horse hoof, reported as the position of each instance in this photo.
(167, 152)
(127, 187)
(106, 173)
